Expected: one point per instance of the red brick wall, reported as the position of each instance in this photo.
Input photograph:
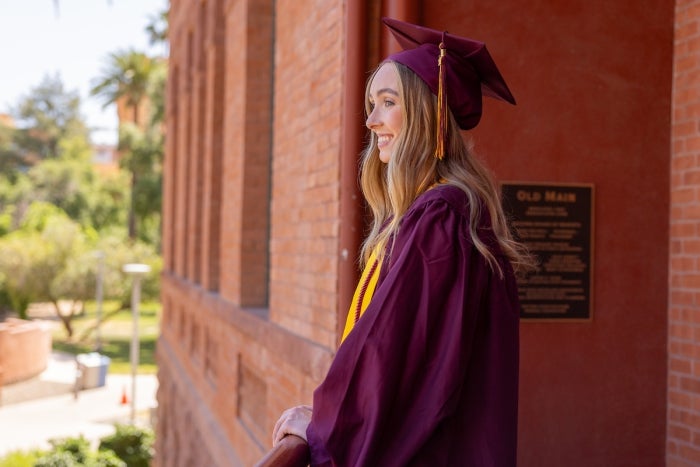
(250, 223)
(305, 185)
(251, 218)
(247, 152)
(683, 435)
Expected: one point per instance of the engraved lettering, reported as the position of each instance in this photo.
(559, 196)
(532, 196)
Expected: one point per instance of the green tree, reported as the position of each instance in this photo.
(108, 202)
(69, 182)
(10, 155)
(63, 184)
(35, 259)
(128, 75)
(15, 273)
(15, 196)
(157, 28)
(51, 258)
(118, 252)
(46, 115)
(156, 93)
(142, 153)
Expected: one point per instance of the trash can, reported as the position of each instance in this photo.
(92, 368)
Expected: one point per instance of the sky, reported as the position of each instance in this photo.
(73, 41)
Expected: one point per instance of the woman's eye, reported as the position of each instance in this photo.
(388, 103)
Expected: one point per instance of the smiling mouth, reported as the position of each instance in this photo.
(383, 140)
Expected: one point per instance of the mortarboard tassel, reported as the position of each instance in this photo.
(441, 105)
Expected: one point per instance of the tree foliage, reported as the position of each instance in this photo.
(157, 28)
(128, 446)
(51, 258)
(143, 156)
(126, 75)
(132, 444)
(11, 157)
(34, 256)
(48, 114)
(119, 251)
(56, 211)
(137, 80)
(70, 183)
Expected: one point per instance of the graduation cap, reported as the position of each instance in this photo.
(458, 70)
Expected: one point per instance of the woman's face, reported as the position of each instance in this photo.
(386, 116)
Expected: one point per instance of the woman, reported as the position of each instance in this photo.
(427, 372)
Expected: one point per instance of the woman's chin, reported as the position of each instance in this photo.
(384, 155)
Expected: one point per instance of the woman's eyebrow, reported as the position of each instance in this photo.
(388, 91)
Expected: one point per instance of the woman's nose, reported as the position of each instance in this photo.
(371, 121)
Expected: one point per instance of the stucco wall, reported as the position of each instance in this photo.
(25, 347)
(592, 80)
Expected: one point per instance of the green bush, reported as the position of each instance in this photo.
(107, 458)
(78, 448)
(67, 458)
(132, 444)
(21, 458)
(129, 446)
(57, 459)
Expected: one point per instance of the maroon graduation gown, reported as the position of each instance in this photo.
(429, 374)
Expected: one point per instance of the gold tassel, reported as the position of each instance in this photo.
(441, 106)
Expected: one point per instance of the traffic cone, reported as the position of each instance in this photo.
(124, 399)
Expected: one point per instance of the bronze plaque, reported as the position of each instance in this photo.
(555, 221)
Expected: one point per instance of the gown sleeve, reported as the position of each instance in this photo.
(401, 370)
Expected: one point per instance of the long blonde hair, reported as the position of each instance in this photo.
(390, 188)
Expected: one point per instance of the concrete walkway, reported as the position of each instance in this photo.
(35, 411)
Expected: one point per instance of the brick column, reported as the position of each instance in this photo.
(247, 142)
(683, 423)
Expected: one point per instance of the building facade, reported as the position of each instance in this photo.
(262, 217)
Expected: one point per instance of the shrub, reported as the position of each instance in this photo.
(78, 448)
(107, 458)
(132, 444)
(57, 459)
(129, 446)
(21, 458)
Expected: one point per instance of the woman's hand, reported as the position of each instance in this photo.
(292, 422)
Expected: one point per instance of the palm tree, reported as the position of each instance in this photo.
(127, 78)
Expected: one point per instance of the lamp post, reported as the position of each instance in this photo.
(100, 255)
(136, 271)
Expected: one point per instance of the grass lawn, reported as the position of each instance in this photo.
(115, 335)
